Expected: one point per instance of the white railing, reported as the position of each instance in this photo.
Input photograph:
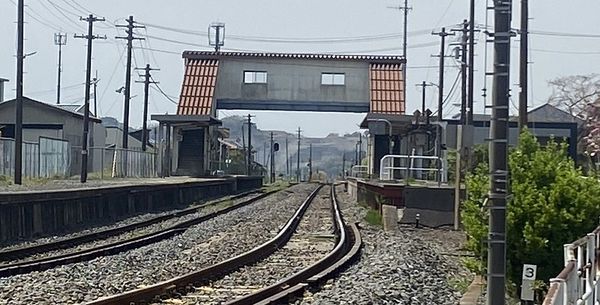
(410, 166)
(359, 171)
(578, 283)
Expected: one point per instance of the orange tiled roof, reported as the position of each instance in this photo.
(387, 94)
(198, 88)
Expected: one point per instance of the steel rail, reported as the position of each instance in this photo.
(347, 248)
(183, 283)
(23, 252)
(119, 246)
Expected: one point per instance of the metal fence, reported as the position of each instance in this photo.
(410, 167)
(56, 158)
(578, 283)
(106, 163)
(38, 159)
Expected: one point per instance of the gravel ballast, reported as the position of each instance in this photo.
(200, 246)
(411, 266)
(312, 240)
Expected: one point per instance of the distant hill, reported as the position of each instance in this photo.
(327, 152)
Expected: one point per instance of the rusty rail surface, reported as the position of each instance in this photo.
(124, 245)
(347, 248)
(181, 283)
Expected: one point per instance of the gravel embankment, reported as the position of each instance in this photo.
(312, 240)
(406, 267)
(202, 245)
(131, 234)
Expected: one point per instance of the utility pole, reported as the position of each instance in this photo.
(88, 75)
(310, 162)
(19, 99)
(130, 38)
(60, 39)
(499, 187)
(405, 10)
(287, 159)
(147, 81)
(463, 70)
(95, 81)
(470, 103)
(523, 61)
(423, 86)
(359, 149)
(249, 156)
(272, 159)
(442, 55)
(298, 163)
(344, 165)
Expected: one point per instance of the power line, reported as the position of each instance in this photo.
(342, 39)
(72, 24)
(39, 18)
(163, 93)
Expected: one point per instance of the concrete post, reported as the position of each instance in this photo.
(389, 215)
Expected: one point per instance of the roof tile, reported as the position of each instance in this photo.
(386, 88)
(197, 90)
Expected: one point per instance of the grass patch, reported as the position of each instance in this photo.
(460, 284)
(373, 218)
(277, 186)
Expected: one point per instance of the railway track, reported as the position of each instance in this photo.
(321, 246)
(49, 255)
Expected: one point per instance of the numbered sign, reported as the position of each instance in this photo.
(529, 272)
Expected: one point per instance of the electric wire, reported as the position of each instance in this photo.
(29, 12)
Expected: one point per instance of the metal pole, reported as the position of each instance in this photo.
(310, 162)
(19, 99)
(249, 157)
(127, 83)
(272, 172)
(86, 113)
(298, 163)
(499, 155)
(287, 159)
(470, 103)
(523, 61)
(359, 149)
(58, 40)
(423, 97)
(404, 47)
(217, 38)
(145, 115)
(463, 72)
(344, 165)
(95, 80)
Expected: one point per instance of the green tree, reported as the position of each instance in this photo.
(552, 204)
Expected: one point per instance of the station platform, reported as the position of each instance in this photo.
(59, 206)
(432, 202)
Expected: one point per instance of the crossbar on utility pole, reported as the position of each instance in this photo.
(88, 76)
(147, 81)
(498, 169)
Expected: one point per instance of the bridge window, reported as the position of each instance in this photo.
(255, 77)
(333, 79)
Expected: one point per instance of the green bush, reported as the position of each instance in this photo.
(552, 204)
